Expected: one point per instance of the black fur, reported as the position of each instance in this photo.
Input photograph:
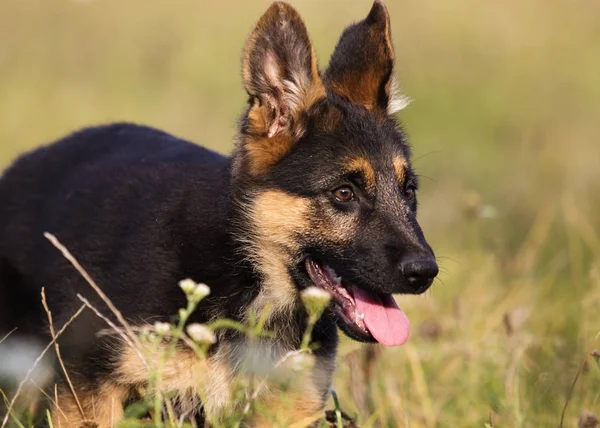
(139, 209)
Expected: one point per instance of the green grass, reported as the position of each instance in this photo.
(504, 122)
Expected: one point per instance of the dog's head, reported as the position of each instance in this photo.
(325, 177)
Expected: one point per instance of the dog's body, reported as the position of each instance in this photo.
(320, 180)
(151, 209)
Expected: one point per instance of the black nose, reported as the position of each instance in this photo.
(419, 272)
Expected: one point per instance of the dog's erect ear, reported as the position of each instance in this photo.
(280, 72)
(362, 65)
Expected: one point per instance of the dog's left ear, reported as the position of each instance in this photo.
(281, 76)
(280, 71)
(361, 68)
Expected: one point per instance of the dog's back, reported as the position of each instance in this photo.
(103, 191)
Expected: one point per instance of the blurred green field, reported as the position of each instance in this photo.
(504, 125)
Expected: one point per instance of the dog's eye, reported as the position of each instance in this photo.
(409, 193)
(344, 194)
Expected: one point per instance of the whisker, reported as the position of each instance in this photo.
(424, 155)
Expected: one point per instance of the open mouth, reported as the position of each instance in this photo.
(365, 315)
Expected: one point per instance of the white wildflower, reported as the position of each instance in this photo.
(315, 300)
(162, 328)
(201, 291)
(301, 362)
(201, 333)
(187, 285)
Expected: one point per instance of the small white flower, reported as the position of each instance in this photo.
(316, 293)
(201, 291)
(300, 362)
(201, 333)
(187, 285)
(315, 300)
(162, 328)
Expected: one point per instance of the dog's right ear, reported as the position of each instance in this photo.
(362, 65)
(280, 73)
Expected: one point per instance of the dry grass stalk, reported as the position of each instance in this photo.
(8, 334)
(54, 401)
(37, 361)
(126, 338)
(134, 340)
(581, 366)
(60, 360)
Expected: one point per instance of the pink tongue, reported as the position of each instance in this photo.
(384, 319)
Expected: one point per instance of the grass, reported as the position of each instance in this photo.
(504, 129)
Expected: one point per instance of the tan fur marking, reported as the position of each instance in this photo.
(68, 415)
(276, 217)
(358, 87)
(400, 165)
(263, 153)
(360, 164)
(213, 380)
(103, 407)
(184, 374)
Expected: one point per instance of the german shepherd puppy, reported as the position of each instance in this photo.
(319, 191)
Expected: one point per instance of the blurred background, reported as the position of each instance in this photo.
(504, 124)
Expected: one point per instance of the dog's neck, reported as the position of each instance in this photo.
(242, 266)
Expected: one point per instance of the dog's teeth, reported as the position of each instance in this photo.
(330, 271)
(362, 316)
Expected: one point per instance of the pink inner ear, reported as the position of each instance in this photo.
(274, 129)
(271, 69)
(278, 108)
(279, 120)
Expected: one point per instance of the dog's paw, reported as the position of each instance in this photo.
(347, 421)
